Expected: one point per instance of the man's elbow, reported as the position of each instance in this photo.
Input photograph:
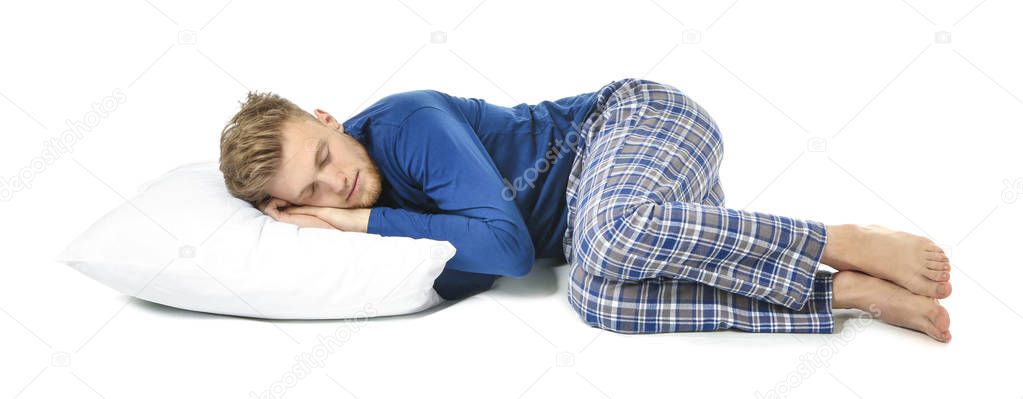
(513, 253)
(521, 261)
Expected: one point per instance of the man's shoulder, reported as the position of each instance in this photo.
(405, 103)
(393, 110)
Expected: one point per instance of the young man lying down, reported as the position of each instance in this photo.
(621, 182)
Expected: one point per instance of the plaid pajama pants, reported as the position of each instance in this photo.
(651, 245)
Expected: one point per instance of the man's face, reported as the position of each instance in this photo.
(323, 166)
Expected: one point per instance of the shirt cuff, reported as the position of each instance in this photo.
(373, 226)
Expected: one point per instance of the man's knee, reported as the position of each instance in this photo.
(603, 242)
(591, 254)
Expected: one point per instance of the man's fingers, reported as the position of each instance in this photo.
(272, 207)
(304, 210)
(279, 203)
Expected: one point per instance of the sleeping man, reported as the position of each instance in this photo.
(621, 183)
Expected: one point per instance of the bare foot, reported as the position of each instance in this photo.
(893, 304)
(909, 260)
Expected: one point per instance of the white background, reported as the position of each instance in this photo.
(852, 112)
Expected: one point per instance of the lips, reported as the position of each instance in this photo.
(355, 185)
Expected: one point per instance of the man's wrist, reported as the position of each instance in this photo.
(362, 219)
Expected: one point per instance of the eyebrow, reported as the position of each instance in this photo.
(316, 156)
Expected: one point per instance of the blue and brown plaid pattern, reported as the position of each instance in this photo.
(651, 244)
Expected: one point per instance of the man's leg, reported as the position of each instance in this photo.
(672, 303)
(664, 305)
(668, 305)
(637, 206)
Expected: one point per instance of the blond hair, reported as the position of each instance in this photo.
(250, 144)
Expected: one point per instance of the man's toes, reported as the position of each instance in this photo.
(923, 285)
(940, 336)
(936, 257)
(939, 266)
(940, 322)
(936, 275)
(938, 316)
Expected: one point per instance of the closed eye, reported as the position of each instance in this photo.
(321, 165)
(325, 160)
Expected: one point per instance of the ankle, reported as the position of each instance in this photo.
(842, 246)
(852, 290)
(843, 291)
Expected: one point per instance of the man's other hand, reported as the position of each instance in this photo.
(354, 219)
(281, 210)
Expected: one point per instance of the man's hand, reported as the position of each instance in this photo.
(279, 211)
(356, 219)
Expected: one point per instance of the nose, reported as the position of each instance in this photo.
(334, 179)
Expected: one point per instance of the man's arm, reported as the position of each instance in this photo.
(444, 157)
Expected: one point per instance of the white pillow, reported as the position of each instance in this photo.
(185, 242)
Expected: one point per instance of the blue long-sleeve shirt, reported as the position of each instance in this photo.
(489, 179)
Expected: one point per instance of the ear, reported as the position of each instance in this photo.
(327, 119)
